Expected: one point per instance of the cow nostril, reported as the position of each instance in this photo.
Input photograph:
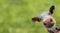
(51, 20)
(44, 23)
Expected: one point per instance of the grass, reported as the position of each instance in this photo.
(15, 15)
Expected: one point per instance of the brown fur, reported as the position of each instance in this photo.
(58, 30)
(35, 19)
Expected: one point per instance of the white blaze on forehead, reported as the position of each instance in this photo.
(45, 18)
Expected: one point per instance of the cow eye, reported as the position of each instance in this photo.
(41, 18)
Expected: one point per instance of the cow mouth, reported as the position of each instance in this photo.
(49, 25)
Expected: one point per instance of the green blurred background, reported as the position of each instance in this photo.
(15, 15)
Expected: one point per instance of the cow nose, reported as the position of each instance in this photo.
(48, 25)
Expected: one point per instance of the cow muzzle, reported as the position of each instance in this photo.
(49, 23)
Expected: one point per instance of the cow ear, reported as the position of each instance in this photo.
(35, 19)
(51, 10)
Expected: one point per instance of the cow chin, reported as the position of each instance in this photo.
(49, 25)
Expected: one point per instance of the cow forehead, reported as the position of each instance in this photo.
(45, 15)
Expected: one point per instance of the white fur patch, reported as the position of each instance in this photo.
(44, 16)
